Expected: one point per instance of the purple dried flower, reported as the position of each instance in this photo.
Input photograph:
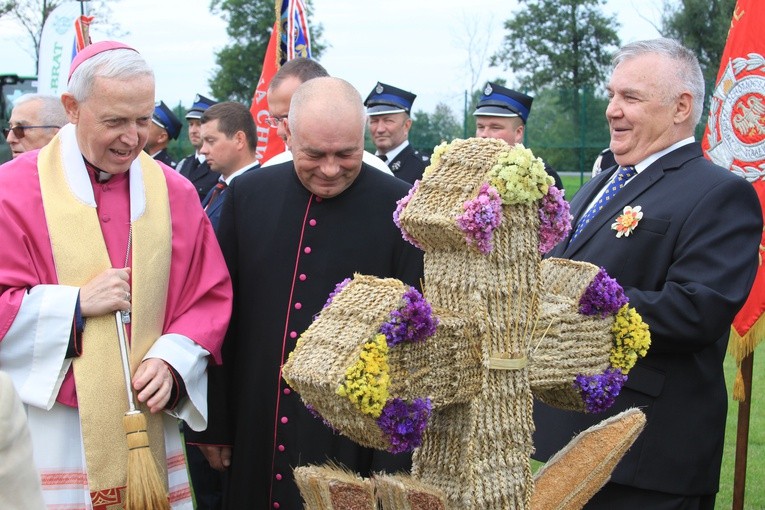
(482, 215)
(403, 424)
(600, 391)
(413, 322)
(400, 206)
(604, 296)
(555, 220)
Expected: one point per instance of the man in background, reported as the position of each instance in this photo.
(229, 144)
(35, 120)
(388, 109)
(604, 161)
(284, 83)
(194, 167)
(502, 113)
(164, 126)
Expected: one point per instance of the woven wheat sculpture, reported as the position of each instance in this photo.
(506, 326)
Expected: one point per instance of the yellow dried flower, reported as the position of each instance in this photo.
(435, 159)
(631, 339)
(368, 379)
(519, 176)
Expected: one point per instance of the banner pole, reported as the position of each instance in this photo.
(742, 434)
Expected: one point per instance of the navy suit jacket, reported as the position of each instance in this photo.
(200, 174)
(213, 212)
(687, 268)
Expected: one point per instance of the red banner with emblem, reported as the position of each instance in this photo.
(289, 39)
(735, 139)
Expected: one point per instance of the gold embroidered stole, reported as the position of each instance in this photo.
(79, 253)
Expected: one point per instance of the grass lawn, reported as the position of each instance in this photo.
(571, 183)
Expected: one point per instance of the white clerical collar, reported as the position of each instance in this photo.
(79, 181)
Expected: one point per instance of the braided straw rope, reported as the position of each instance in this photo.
(477, 452)
(446, 368)
(587, 341)
(430, 215)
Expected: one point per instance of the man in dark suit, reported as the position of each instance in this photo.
(194, 167)
(164, 127)
(229, 143)
(388, 109)
(686, 265)
(502, 113)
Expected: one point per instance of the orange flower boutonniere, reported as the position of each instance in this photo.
(629, 219)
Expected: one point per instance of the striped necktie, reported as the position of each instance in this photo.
(614, 186)
(216, 193)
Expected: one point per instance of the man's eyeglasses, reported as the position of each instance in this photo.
(275, 121)
(18, 130)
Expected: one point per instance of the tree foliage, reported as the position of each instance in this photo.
(559, 43)
(250, 23)
(560, 51)
(31, 14)
(702, 26)
(430, 129)
(568, 140)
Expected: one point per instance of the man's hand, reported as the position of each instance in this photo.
(153, 382)
(107, 292)
(219, 457)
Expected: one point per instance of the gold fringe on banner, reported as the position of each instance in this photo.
(742, 346)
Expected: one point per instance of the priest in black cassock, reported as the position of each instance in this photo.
(290, 233)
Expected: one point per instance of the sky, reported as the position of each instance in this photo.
(417, 45)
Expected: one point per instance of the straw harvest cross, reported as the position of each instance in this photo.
(509, 326)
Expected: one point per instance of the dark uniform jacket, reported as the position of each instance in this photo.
(552, 173)
(687, 268)
(408, 164)
(199, 174)
(165, 157)
(287, 249)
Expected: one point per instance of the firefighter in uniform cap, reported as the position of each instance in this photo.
(502, 113)
(164, 126)
(194, 167)
(388, 109)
